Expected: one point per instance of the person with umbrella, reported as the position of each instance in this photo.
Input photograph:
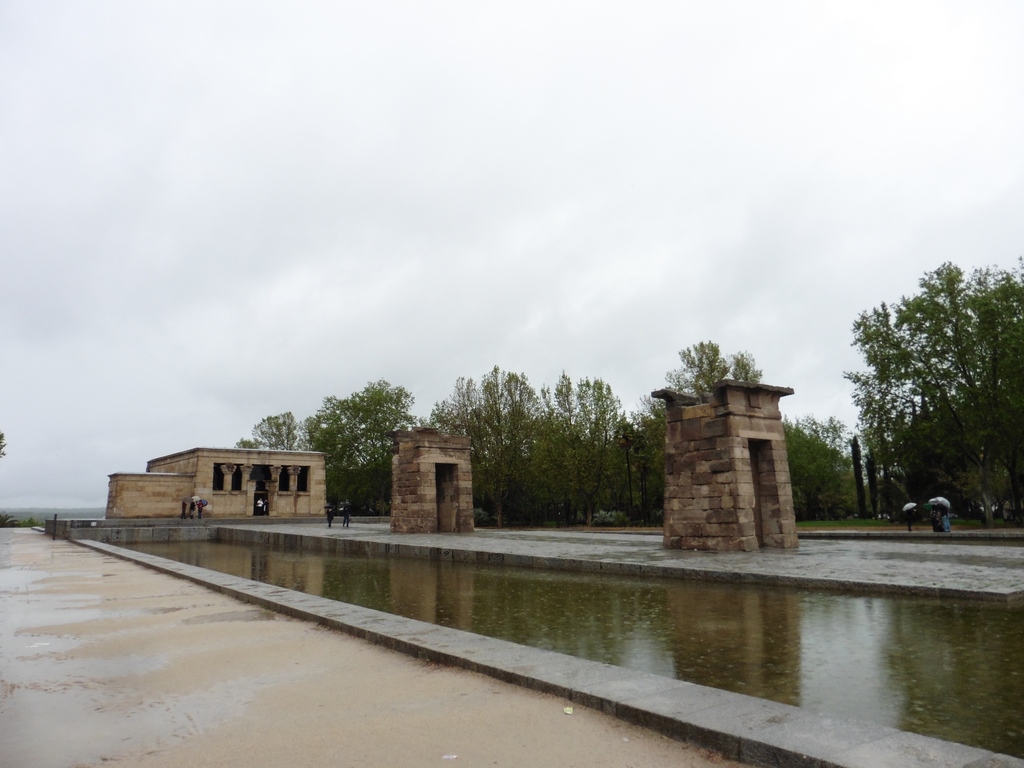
(942, 503)
(908, 510)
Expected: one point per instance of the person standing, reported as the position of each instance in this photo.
(345, 511)
(330, 514)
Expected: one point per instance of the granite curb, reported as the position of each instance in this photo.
(743, 728)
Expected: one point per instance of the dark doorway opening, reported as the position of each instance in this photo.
(260, 503)
(759, 464)
(447, 496)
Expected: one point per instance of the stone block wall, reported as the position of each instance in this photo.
(154, 494)
(431, 482)
(727, 485)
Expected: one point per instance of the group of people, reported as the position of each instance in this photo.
(193, 507)
(332, 511)
(938, 514)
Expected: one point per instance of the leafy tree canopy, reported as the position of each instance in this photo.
(353, 435)
(703, 364)
(580, 426)
(500, 416)
(942, 399)
(278, 433)
(820, 469)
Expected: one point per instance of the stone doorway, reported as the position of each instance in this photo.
(447, 491)
(258, 508)
(757, 466)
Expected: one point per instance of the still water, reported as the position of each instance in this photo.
(954, 670)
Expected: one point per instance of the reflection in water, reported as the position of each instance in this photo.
(745, 640)
(946, 669)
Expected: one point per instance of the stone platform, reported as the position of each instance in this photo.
(926, 567)
(754, 731)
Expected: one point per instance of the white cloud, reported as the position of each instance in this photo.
(211, 212)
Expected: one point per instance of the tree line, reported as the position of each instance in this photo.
(564, 454)
(941, 401)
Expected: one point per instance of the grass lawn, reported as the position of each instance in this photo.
(958, 524)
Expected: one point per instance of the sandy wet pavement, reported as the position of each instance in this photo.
(102, 661)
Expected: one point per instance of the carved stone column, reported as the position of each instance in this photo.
(228, 470)
(247, 486)
(295, 472)
(273, 485)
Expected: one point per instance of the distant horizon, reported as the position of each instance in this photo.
(79, 512)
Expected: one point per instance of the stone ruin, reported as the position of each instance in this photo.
(431, 482)
(727, 485)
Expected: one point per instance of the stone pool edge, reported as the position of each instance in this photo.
(743, 728)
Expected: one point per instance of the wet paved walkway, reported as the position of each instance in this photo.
(751, 730)
(106, 663)
(920, 568)
(743, 728)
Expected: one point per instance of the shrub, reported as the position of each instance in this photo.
(482, 518)
(607, 519)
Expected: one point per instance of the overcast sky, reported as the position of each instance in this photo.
(215, 211)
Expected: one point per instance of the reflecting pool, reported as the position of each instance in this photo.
(950, 669)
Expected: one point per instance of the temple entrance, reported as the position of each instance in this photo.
(447, 493)
(756, 448)
(260, 503)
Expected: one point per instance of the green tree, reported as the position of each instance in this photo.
(858, 477)
(3, 446)
(703, 364)
(579, 429)
(647, 425)
(500, 416)
(353, 435)
(278, 433)
(943, 396)
(873, 483)
(820, 468)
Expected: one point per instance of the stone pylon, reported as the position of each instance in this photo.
(727, 485)
(431, 482)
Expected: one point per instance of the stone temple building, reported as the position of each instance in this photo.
(727, 485)
(236, 482)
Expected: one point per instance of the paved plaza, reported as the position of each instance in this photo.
(738, 727)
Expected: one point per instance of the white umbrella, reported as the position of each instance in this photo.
(941, 501)
(908, 507)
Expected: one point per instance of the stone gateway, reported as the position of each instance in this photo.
(431, 482)
(727, 485)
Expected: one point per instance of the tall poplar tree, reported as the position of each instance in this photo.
(858, 477)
